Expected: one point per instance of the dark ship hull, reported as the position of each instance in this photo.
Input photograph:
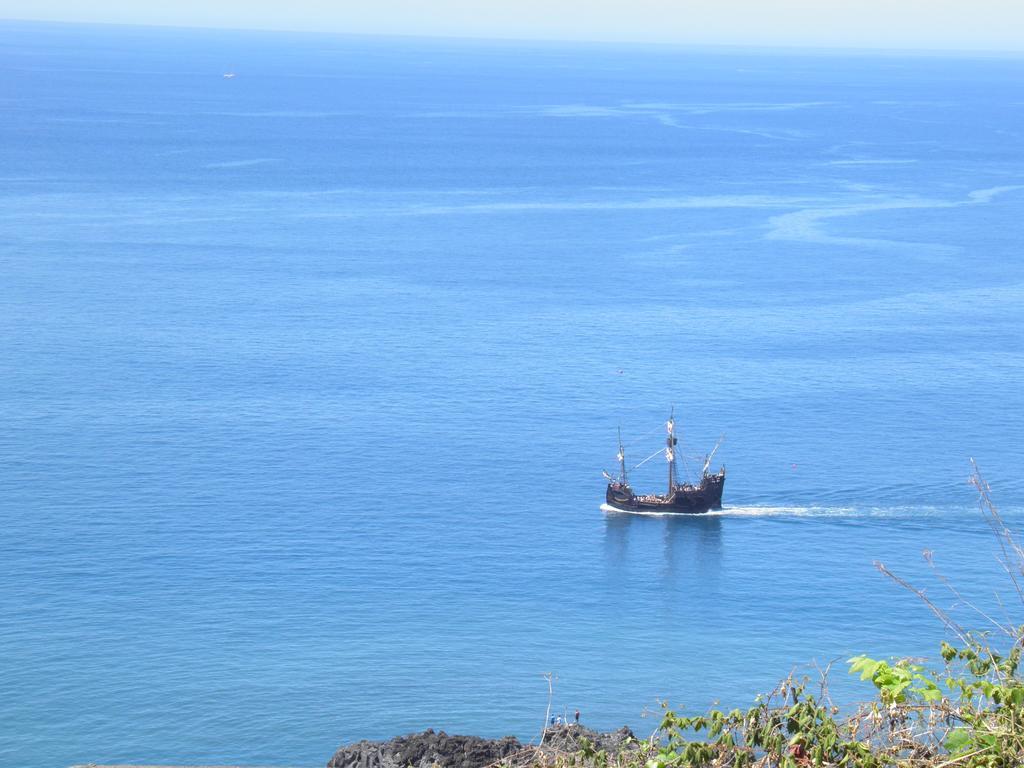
(685, 499)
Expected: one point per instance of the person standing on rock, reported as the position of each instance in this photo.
(577, 717)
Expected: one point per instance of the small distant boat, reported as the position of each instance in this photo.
(681, 498)
(228, 75)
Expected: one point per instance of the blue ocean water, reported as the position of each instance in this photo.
(309, 376)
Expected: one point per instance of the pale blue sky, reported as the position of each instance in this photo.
(910, 24)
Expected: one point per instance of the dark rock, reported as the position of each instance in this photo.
(423, 750)
(430, 748)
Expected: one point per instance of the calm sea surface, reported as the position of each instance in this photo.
(309, 376)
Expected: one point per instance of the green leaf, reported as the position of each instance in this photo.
(863, 665)
(931, 694)
(958, 740)
(948, 651)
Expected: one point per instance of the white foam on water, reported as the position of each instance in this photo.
(744, 511)
(904, 511)
(243, 163)
(875, 161)
(772, 511)
(756, 510)
(642, 512)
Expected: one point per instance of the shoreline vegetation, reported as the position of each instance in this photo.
(968, 712)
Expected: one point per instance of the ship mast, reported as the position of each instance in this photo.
(622, 459)
(670, 451)
(710, 456)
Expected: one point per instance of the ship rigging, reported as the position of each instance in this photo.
(680, 497)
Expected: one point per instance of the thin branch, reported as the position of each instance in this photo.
(956, 760)
(823, 693)
(961, 600)
(1003, 534)
(550, 677)
(941, 614)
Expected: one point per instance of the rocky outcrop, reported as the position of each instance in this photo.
(570, 738)
(430, 748)
(423, 750)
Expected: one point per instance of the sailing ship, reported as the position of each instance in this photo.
(681, 497)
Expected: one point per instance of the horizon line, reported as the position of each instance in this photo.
(631, 43)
